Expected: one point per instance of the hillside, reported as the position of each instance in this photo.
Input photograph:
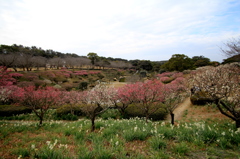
(186, 111)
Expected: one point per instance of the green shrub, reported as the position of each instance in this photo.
(133, 110)
(69, 116)
(200, 98)
(122, 79)
(66, 109)
(59, 79)
(10, 110)
(110, 113)
(83, 85)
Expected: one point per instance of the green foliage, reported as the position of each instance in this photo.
(68, 116)
(110, 113)
(83, 85)
(181, 148)
(200, 98)
(93, 57)
(235, 58)
(133, 110)
(10, 110)
(178, 62)
(157, 143)
(67, 109)
(122, 79)
(100, 76)
(23, 152)
(200, 61)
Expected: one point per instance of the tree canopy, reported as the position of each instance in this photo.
(178, 62)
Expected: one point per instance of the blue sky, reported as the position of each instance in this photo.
(129, 29)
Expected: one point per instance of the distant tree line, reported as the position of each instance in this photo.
(26, 58)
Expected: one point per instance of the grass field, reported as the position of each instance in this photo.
(115, 138)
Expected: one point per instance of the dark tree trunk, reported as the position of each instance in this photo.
(172, 118)
(41, 121)
(93, 123)
(237, 123)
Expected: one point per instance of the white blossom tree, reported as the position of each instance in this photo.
(96, 101)
(222, 85)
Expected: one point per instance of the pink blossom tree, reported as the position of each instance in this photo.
(40, 100)
(123, 97)
(10, 94)
(149, 96)
(72, 98)
(5, 77)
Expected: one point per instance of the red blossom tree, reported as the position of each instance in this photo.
(40, 100)
(5, 77)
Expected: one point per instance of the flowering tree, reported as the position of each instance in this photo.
(96, 102)
(71, 98)
(221, 84)
(40, 100)
(5, 77)
(149, 95)
(123, 97)
(10, 94)
(175, 93)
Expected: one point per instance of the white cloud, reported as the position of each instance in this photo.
(129, 29)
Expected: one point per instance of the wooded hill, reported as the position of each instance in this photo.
(26, 58)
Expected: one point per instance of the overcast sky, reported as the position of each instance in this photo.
(129, 29)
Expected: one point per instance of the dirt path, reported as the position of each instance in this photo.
(179, 111)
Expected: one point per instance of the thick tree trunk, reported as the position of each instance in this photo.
(172, 118)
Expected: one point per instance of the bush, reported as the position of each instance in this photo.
(122, 79)
(111, 113)
(83, 85)
(10, 110)
(200, 98)
(66, 109)
(68, 116)
(133, 110)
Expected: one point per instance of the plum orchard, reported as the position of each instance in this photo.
(221, 84)
(148, 96)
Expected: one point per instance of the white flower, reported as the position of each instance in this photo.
(135, 128)
(32, 146)
(117, 143)
(48, 142)
(238, 131)
(55, 142)
(223, 133)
